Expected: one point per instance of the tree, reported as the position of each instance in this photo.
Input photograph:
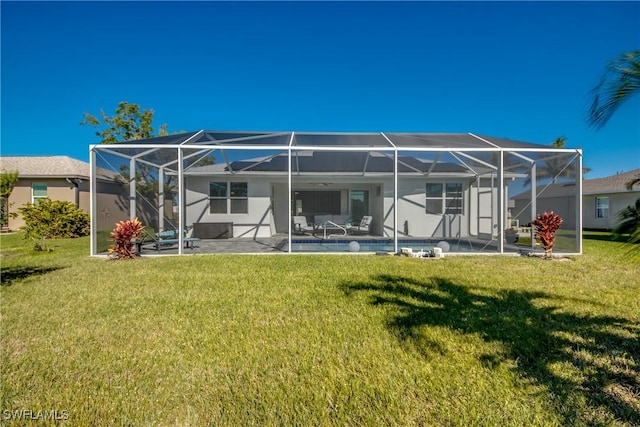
(620, 81)
(129, 123)
(8, 181)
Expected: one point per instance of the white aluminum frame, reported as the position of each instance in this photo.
(292, 149)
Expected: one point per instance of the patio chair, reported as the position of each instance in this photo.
(364, 227)
(300, 225)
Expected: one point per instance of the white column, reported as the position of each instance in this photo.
(93, 210)
(534, 196)
(181, 208)
(579, 204)
(161, 199)
(132, 189)
(290, 190)
(501, 207)
(395, 200)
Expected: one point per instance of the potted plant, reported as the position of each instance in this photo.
(511, 236)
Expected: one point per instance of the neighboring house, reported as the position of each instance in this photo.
(61, 178)
(602, 199)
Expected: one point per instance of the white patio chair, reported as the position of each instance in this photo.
(300, 225)
(364, 226)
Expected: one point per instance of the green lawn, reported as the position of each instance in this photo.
(321, 340)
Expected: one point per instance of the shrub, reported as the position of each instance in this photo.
(124, 234)
(629, 222)
(53, 219)
(8, 180)
(546, 226)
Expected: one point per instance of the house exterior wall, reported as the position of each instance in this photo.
(483, 209)
(413, 221)
(112, 205)
(57, 189)
(256, 223)
(565, 206)
(280, 208)
(617, 202)
(268, 205)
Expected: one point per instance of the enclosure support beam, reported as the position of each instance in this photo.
(161, 199)
(181, 207)
(132, 189)
(395, 201)
(579, 203)
(290, 188)
(501, 202)
(534, 195)
(93, 208)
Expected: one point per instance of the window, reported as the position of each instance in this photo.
(228, 197)
(602, 207)
(316, 202)
(444, 198)
(453, 198)
(38, 191)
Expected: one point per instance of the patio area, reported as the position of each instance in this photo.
(279, 244)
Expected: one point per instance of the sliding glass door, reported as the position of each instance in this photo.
(359, 204)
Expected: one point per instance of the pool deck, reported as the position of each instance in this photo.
(278, 244)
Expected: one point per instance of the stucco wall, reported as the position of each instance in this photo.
(256, 223)
(617, 202)
(483, 209)
(564, 206)
(412, 216)
(57, 189)
(261, 221)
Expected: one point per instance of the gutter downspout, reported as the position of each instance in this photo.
(76, 191)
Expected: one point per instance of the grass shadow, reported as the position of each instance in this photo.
(606, 237)
(9, 275)
(603, 349)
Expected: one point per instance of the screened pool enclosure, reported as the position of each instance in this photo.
(286, 192)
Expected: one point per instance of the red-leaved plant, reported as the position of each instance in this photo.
(546, 226)
(124, 235)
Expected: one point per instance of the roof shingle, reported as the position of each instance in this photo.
(609, 184)
(45, 166)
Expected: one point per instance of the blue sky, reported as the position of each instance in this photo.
(521, 70)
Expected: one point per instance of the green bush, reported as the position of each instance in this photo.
(53, 219)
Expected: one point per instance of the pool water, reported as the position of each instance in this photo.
(374, 246)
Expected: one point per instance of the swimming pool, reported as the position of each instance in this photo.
(378, 245)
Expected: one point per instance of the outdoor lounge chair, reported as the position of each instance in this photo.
(300, 225)
(362, 228)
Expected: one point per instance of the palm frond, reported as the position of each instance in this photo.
(620, 81)
(629, 222)
(633, 182)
